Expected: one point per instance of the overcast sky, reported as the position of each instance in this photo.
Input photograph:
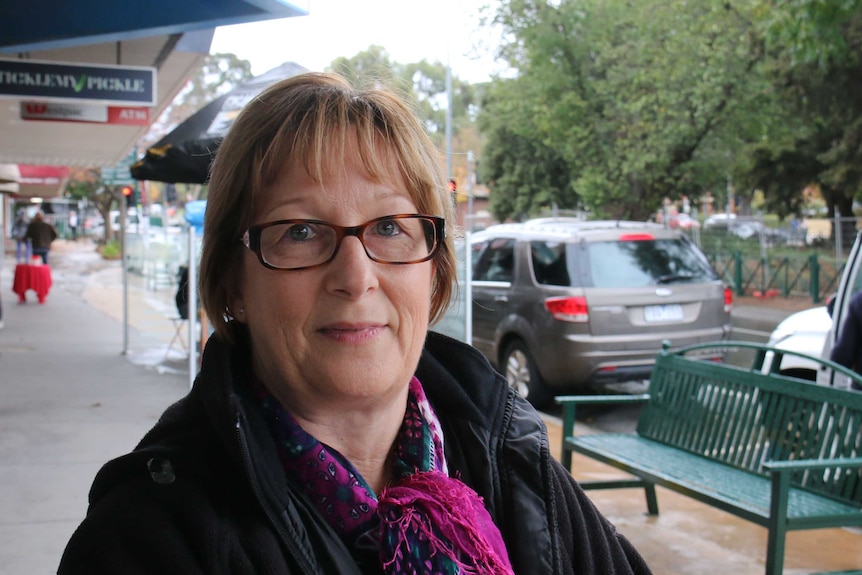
(409, 30)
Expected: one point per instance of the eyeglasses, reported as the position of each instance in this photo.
(302, 244)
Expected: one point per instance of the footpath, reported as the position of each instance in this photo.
(71, 400)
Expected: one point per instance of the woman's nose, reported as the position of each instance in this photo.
(352, 272)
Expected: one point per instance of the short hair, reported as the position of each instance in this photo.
(308, 118)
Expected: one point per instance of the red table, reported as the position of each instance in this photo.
(34, 277)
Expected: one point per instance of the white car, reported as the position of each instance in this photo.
(814, 331)
(719, 221)
(805, 332)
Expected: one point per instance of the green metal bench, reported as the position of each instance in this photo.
(781, 452)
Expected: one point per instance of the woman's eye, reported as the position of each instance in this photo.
(299, 233)
(387, 228)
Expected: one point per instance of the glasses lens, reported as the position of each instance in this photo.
(400, 240)
(297, 244)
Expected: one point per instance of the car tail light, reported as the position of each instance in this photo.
(572, 309)
(636, 237)
(728, 299)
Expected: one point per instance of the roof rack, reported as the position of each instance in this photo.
(566, 226)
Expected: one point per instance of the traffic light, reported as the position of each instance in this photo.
(453, 186)
(131, 195)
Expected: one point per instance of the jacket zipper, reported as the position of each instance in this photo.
(291, 545)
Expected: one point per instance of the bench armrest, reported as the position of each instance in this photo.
(781, 472)
(801, 464)
(599, 399)
(570, 402)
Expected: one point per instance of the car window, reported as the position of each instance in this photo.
(857, 283)
(639, 263)
(550, 266)
(497, 262)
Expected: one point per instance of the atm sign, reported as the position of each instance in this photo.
(87, 113)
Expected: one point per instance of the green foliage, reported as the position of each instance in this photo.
(526, 174)
(810, 31)
(111, 250)
(642, 100)
(815, 67)
(83, 183)
(617, 104)
(423, 83)
(217, 75)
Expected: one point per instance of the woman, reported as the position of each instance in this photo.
(325, 433)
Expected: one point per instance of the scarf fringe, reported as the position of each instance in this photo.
(429, 506)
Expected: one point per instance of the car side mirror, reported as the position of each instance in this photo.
(830, 304)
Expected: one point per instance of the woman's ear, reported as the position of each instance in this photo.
(237, 310)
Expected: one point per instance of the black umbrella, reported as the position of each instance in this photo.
(185, 154)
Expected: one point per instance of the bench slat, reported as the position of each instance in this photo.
(743, 494)
(775, 450)
(744, 418)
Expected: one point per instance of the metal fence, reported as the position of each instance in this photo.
(805, 259)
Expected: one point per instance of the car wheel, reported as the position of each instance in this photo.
(522, 375)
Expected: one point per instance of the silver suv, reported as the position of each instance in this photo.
(560, 304)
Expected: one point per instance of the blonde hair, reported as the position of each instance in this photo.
(308, 118)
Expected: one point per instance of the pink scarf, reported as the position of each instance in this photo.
(424, 522)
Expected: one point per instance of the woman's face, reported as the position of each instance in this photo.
(347, 333)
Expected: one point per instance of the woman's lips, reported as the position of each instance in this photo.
(352, 333)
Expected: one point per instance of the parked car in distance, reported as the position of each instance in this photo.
(751, 228)
(562, 304)
(132, 220)
(682, 221)
(719, 221)
(814, 331)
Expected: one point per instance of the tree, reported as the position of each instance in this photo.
(423, 83)
(641, 99)
(86, 183)
(217, 75)
(817, 70)
(525, 174)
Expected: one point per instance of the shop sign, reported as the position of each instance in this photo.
(89, 113)
(124, 85)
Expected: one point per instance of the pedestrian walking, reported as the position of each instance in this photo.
(19, 234)
(73, 224)
(41, 235)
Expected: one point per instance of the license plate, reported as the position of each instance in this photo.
(663, 313)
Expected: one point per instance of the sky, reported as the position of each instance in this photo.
(409, 31)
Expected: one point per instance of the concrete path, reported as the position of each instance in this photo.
(70, 400)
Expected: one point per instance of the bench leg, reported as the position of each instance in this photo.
(649, 489)
(775, 550)
(777, 523)
(651, 499)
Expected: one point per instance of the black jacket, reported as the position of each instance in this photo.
(848, 345)
(41, 234)
(204, 492)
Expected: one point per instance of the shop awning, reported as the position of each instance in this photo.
(170, 36)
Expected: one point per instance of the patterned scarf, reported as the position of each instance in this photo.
(424, 522)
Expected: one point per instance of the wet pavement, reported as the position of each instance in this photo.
(691, 538)
(72, 399)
